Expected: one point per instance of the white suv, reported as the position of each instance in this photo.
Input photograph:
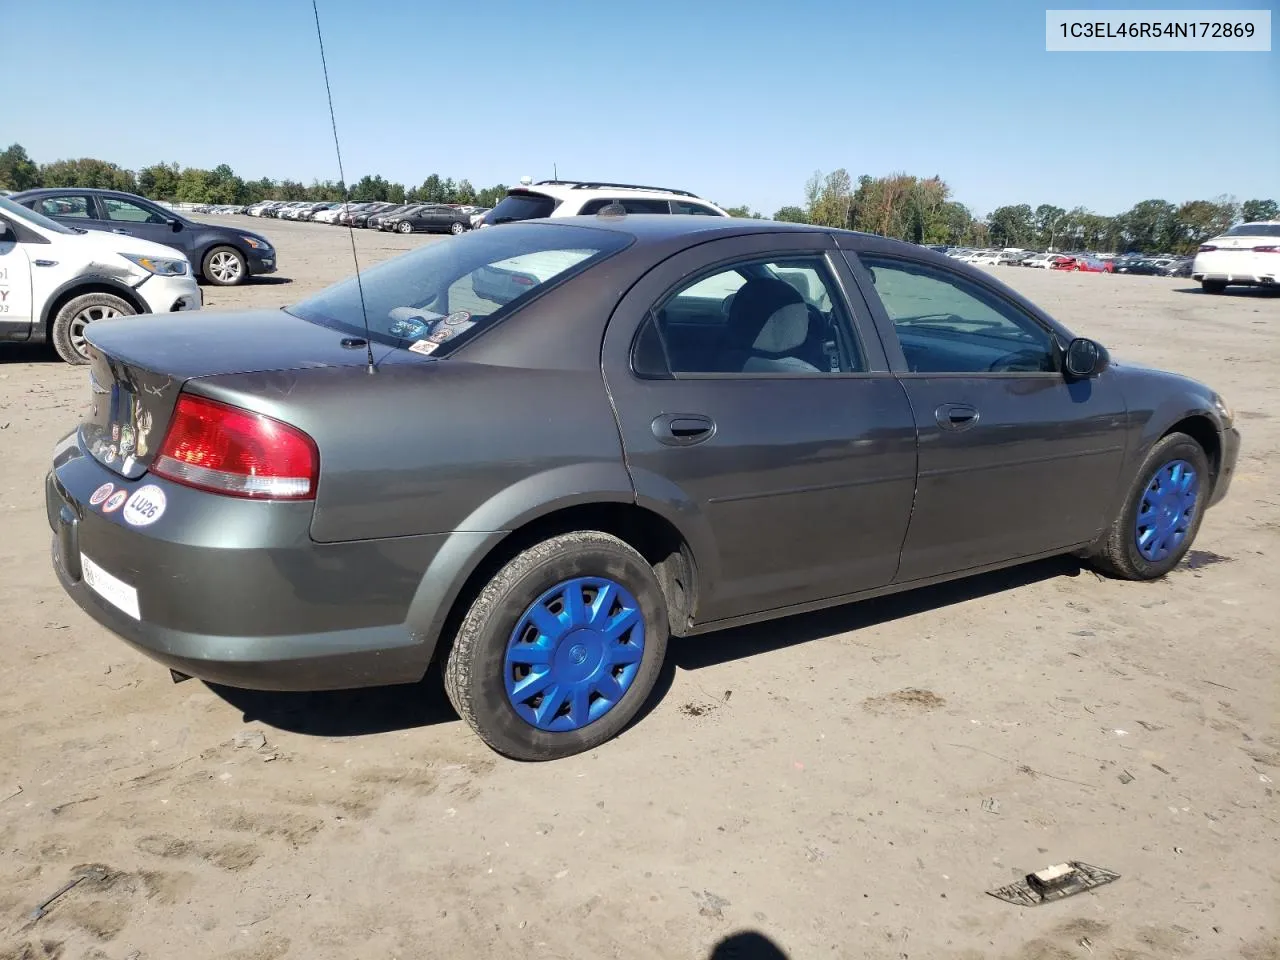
(1248, 254)
(571, 198)
(55, 280)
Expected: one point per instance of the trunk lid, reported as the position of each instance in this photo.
(140, 365)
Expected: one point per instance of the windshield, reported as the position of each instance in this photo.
(1254, 230)
(12, 209)
(521, 206)
(438, 296)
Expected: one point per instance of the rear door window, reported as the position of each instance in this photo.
(696, 209)
(67, 205)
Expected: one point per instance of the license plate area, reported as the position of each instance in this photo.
(110, 587)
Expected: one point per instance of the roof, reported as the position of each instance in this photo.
(663, 226)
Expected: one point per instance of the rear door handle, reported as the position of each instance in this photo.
(683, 429)
(956, 416)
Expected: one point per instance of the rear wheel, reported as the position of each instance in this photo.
(406, 227)
(457, 228)
(224, 266)
(561, 648)
(1213, 286)
(1161, 513)
(73, 319)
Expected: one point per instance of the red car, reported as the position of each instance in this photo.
(1062, 263)
(1093, 265)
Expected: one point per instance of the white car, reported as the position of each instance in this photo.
(1248, 255)
(1040, 261)
(55, 280)
(571, 198)
(987, 258)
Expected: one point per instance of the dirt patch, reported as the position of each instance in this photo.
(911, 699)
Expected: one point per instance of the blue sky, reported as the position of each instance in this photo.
(739, 101)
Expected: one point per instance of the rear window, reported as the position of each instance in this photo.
(444, 294)
(521, 206)
(1254, 230)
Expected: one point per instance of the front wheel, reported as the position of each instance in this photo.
(1213, 286)
(224, 267)
(561, 648)
(1161, 513)
(406, 227)
(457, 228)
(75, 316)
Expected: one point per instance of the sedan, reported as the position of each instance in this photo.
(431, 218)
(1093, 265)
(339, 493)
(223, 256)
(1246, 255)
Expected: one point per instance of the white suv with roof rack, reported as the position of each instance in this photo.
(572, 198)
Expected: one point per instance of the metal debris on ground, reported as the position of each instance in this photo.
(991, 805)
(1054, 883)
(12, 792)
(253, 739)
(1127, 777)
(89, 873)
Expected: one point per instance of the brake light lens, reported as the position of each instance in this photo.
(1267, 249)
(224, 449)
(1207, 248)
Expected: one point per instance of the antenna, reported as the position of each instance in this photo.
(555, 172)
(346, 190)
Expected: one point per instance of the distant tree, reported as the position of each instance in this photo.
(1149, 226)
(159, 181)
(834, 202)
(1048, 221)
(1198, 220)
(491, 196)
(87, 172)
(1012, 226)
(17, 170)
(395, 193)
(449, 191)
(791, 215)
(432, 190)
(742, 211)
(1251, 211)
(465, 192)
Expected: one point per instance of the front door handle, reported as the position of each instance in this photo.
(683, 429)
(125, 232)
(956, 416)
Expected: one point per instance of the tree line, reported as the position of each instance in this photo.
(173, 183)
(921, 210)
(906, 207)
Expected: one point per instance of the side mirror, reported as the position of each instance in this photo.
(6, 232)
(1085, 358)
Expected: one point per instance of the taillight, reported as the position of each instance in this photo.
(218, 447)
(1267, 249)
(1207, 248)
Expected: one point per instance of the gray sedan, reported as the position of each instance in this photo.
(559, 443)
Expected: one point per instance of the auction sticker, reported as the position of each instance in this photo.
(145, 506)
(101, 494)
(423, 346)
(457, 317)
(115, 501)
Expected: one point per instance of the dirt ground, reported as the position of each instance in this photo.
(845, 784)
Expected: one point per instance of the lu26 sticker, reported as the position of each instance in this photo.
(145, 506)
(101, 494)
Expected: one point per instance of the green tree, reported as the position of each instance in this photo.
(432, 190)
(1150, 226)
(465, 192)
(87, 172)
(1251, 211)
(1198, 220)
(1048, 224)
(742, 211)
(834, 200)
(1012, 226)
(371, 188)
(791, 215)
(17, 170)
(395, 193)
(491, 196)
(159, 181)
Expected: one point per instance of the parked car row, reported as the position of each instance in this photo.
(1131, 263)
(378, 215)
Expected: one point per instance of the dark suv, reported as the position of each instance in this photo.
(220, 255)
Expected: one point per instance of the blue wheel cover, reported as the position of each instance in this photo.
(1167, 510)
(574, 653)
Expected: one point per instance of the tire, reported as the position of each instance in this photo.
(76, 314)
(491, 657)
(1134, 550)
(406, 227)
(1213, 286)
(457, 228)
(224, 267)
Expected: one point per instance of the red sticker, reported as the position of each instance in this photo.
(101, 494)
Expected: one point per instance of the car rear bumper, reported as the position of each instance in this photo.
(235, 591)
(1242, 267)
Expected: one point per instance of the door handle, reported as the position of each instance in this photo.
(956, 416)
(125, 232)
(683, 429)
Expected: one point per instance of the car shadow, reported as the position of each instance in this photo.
(1260, 293)
(354, 713)
(28, 353)
(747, 945)
(264, 280)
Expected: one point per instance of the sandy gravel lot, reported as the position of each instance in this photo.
(845, 784)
